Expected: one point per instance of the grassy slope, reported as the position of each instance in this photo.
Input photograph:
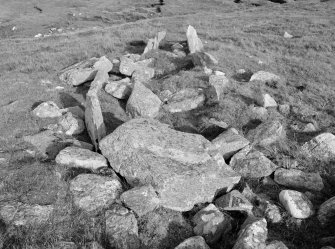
(237, 34)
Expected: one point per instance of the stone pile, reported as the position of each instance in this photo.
(168, 169)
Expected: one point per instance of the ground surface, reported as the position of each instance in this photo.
(240, 35)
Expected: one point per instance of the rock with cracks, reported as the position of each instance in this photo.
(176, 164)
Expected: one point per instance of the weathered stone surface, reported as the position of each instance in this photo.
(265, 77)
(119, 89)
(145, 151)
(284, 109)
(85, 71)
(143, 102)
(327, 211)
(267, 133)
(81, 158)
(276, 245)
(298, 179)
(143, 74)
(259, 112)
(251, 163)
(218, 86)
(71, 124)
(121, 228)
(211, 224)
(265, 100)
(253, 234)
(93, 193)
(296, 203)
(234, 201)
(47, 109)
(141, 199)
(193, 41)
(229, 143)
(154, 43)
(196, 242)
(128, 66)
(75, 111)
(310, 128)
(185, 100)
(21, 214)
(322, 146)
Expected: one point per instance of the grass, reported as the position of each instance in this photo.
(238, 35)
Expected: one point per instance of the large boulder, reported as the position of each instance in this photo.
(176, 164)
(322, 146)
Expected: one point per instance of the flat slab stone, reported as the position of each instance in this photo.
(145, 151)
(265, 77)
(327, 211)
(81, 158)
(322, 146)
(251, 163)
(298, 179)
(296, 203)
(93, 193)
(196, 242)
(185, 100)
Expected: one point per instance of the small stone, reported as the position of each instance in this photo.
(295, 178)
(81, 158)
(253, 234)
(93, 193)
(327, 211)
(208, 71)
(185, 100)
(119, 89)
(38, 35)
(284, 109)
(196, 242)
(265, 77)
(71, 124)
(251, 163)
(321, 146)
(219, 73)
(121, 228)
(211, 223)
(141, 199)
(116, 66)
(193, 41)
(218, 86)
(309, 128)
(47, 109)
(143, 102)
(266, 101)
(276, 245)
(234, 201)
(287, 35)
(296, 203)
(133, 57)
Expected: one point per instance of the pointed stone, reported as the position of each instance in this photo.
(194, 43)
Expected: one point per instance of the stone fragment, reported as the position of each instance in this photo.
(251, 163)
(121, 228)
(143, 102)
(326, 212)
(287, 35)
(71, 124)
(145, 151)
(81, 158)
(234, 201)
(141, 199)
(196, 242)
(253, 234)
(218, 87)
(295, 178)
(265, 77)
(211, 224)
(21, 214)
(193, 41)
(93, 193)
(265, 100)
(47, 109)
(296, 203)
(119, 89)
(321, 146)
(185, 100)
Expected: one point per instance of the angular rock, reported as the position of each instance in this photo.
(193, 41)
(310, 128)
(145, 151)
(196, 242)
(128, 66)
(154, 43)
(265, 100)
(141, 199)
(327, 211)
(267, 133)
(296, 203)
(93, 193)
(234, 201)
(253, 234)
(119, 89)
(121, 228)
(143, 74)
(81, 158)
(71, 124)
(321, 146)
(251, 163)
(265, 77)
(228, 143)
(218, 87)
(21, 214)
(276, 245)
(143, 102)
(295, 178)
(185, 100)
(47, 109)
(75, 111)
(211, 224)
(85, 71)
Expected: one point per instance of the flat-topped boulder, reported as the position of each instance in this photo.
(176, 164)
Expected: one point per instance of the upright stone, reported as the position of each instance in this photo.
(194, 43)
(218, 86)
